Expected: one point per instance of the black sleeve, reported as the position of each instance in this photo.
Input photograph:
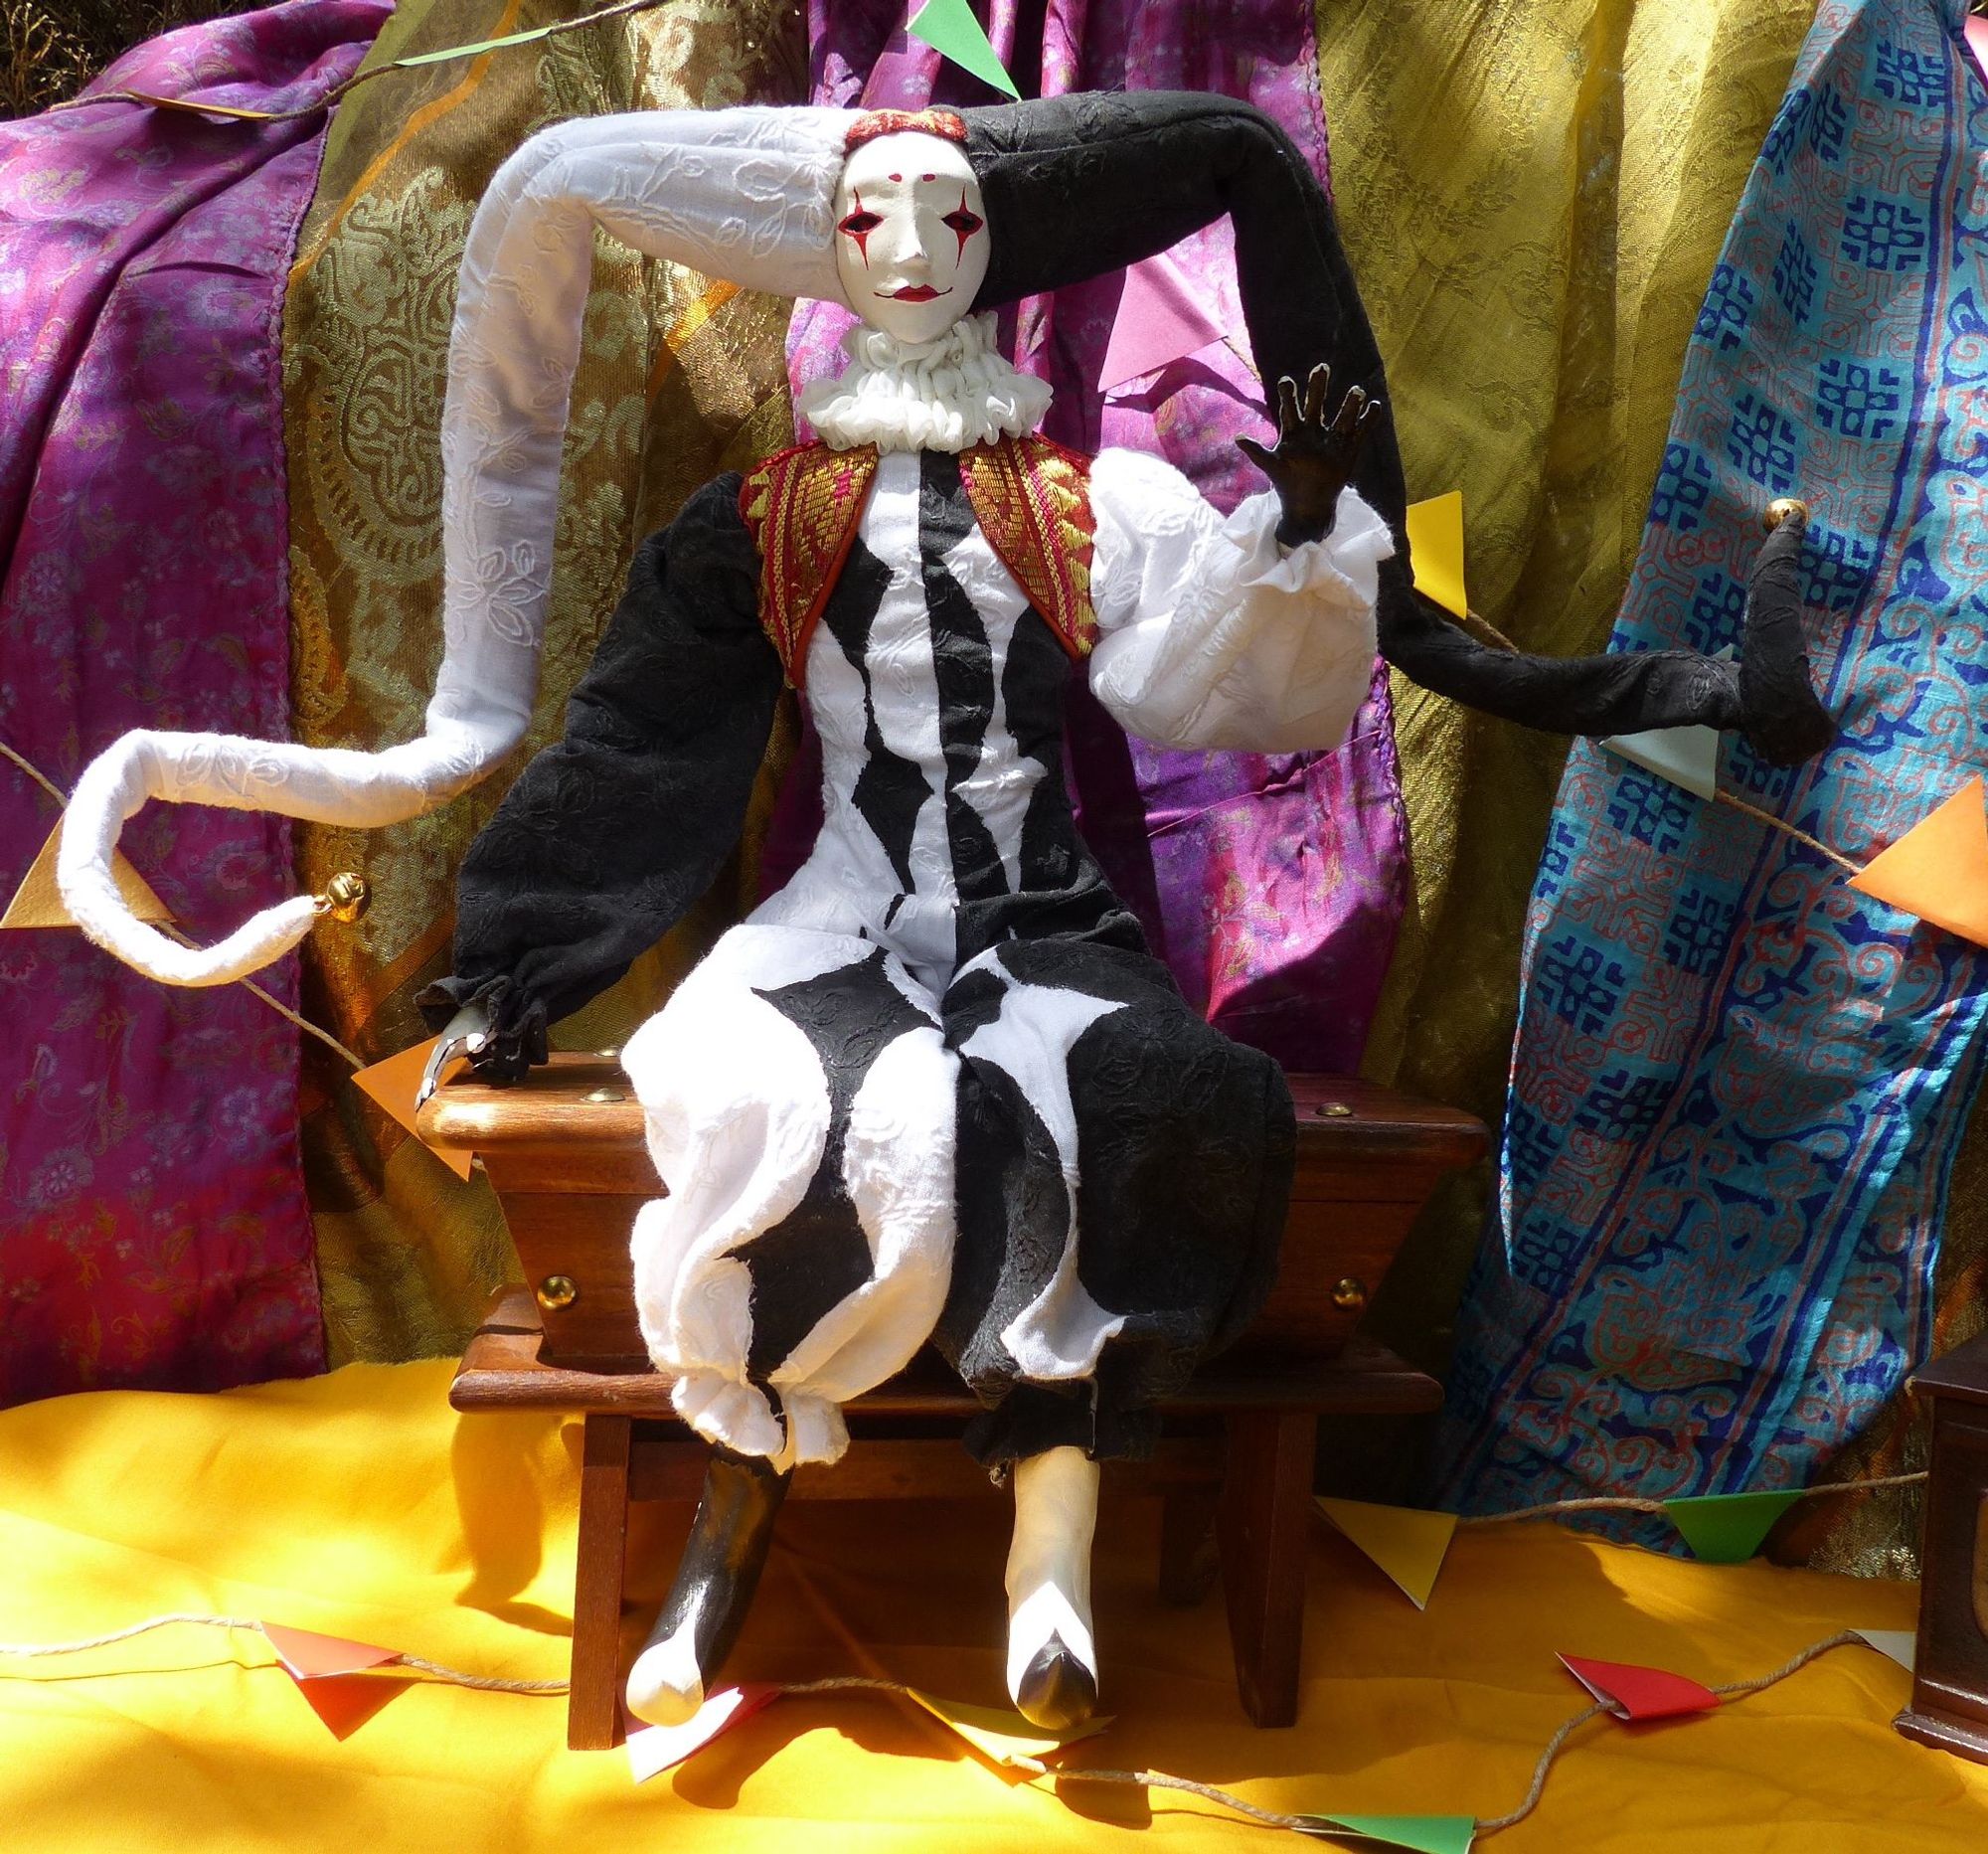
(608, 838)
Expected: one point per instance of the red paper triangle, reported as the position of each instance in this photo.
(318, 1657)
(344, 1702)
(1633, 1693)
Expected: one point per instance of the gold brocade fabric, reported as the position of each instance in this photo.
(679, 378)
(1533, 193)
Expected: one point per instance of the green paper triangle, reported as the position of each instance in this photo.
(949, 27)
(1425, 1834)
(1726, 1528)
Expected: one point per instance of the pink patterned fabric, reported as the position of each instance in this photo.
(153, 1227)
(1271, 885)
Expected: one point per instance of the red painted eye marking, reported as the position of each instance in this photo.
(858, 225)
(928, 176)
(897, 177)
(964, 224)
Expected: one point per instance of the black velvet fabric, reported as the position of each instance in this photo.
(1186, 1144)
(608, 837)
(1076, 186)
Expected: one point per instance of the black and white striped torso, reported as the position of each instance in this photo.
(938, 694)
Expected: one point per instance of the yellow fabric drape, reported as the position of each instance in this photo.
(359, 1505)
(679, 380)
(1532, 196)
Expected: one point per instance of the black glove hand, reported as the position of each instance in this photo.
(1313, 460)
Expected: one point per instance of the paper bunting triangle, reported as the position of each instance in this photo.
(1726, 1528)
(1407, 1543)
(1001, 1735)
(1435, 549)
(330, 1673)
(394, 1084)
(1938, 870)
(38, 902)
(1159, 320)
(949, 27)
(1687, 756)
(1900, 1645)
(1637, 1693)
(317, 1657)
(1425, 1834)
(656, 1747)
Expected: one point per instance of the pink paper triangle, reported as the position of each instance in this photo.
(319, 1657)
(1160, 319)
(656, 1747)
(1631, 1692)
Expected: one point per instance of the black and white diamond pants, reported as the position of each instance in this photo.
(1054, 1169)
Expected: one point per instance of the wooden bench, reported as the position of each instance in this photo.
(1234, 1468)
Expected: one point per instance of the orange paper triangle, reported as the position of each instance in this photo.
(1938, 870)
(1407, 1543)
(393, 1086)
(38, 902)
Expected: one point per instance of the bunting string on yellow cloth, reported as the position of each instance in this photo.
(1434, 1835)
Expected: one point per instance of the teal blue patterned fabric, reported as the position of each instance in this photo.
(1737, 1084)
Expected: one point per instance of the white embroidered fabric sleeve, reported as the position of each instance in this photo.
(1210, 634)
(744, 194)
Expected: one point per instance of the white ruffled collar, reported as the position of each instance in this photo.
(945, 395)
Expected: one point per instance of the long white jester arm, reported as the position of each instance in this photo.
(744, 194)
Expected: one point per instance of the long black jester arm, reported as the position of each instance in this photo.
(1767, 695)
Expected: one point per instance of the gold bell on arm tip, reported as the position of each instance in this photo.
(1780, 509)
(346, 897)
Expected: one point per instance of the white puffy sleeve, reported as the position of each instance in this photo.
(1211, 635)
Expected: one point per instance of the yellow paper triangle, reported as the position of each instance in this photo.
(38, 902)
(1407, 1543)
(394, 1082)
(1938, 870)
(1435, 549)
(1002, 1735)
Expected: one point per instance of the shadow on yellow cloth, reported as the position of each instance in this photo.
(359, 1505)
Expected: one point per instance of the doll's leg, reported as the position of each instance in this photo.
(798, 1100)
(1123, 1173)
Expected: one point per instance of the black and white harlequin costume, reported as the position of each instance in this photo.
(936, 1086)
(936, 1081)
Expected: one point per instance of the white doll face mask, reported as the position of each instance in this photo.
(911, 234)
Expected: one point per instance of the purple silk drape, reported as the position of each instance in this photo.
(1271, 885)
(153, 1225)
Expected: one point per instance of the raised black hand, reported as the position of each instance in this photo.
(1314, 461)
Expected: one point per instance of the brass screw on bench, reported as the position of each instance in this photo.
(557, 1291)
(1331, 1111)
(1349, 1294)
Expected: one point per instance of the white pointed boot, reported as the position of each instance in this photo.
(1051, 1659)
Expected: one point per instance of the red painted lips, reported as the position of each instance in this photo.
(918, 292)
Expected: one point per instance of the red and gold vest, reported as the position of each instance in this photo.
(1030, 497)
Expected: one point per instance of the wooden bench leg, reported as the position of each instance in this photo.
(1265, 1500)
(593, 1701)
(1188, 1561)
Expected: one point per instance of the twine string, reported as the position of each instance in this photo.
(339, 91)
(1639, 1503)
(866, 1683)
(172, 931)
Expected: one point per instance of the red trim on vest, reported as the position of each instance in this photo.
(1030, 497)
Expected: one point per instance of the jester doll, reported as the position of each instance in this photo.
(935, 1089)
